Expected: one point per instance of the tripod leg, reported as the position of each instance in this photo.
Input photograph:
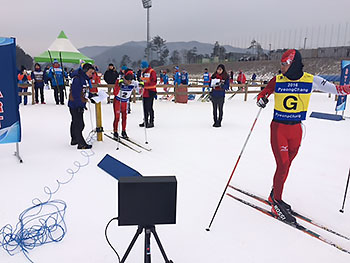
(138, 232)
(153, 230)
(147, 245)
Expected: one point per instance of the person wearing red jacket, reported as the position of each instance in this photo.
(23, 78)
(95, 80)
(241, 79)
(292, 89)
(149, 78)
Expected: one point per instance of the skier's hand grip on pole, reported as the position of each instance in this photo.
(262, 102)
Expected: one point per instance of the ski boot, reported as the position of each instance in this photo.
(124, 135)
(286, 206)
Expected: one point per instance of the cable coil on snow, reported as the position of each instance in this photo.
(43, 222)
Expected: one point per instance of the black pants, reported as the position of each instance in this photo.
(59, 94)
(37, 89)
(148, 108)
(218, 104)
(77, 125)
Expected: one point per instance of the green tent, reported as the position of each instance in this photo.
(68, 52)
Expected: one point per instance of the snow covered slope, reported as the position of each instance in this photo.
(184, 144)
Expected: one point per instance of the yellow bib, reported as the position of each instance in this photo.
(292, 97)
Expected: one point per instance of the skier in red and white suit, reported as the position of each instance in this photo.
(292, 91)
(122, 92)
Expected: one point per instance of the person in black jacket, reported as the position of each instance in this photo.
(220, 81)
(111, 74)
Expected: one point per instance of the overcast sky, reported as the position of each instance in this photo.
(37, 23)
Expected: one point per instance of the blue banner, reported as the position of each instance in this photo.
(10, 125)
(344, 80)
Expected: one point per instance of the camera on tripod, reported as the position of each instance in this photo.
(146, 202)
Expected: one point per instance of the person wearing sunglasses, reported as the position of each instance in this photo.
(292, 89)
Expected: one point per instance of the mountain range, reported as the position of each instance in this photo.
(103, 55)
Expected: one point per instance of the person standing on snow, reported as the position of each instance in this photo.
(77, 104)
(23, 78)
(56, 74)
(184, 77)
(220, 81)
(122, 93)
(38, 78)
(292, 90)
(149, 79)
(241, 78)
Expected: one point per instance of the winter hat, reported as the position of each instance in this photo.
(87, 66)
(110, 65)
(144, 64)
(293, 58)
(129, 74)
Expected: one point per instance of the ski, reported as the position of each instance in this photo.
(206, 98)
(122, 143)
(136, 143)
(297, 215)
(234, 94)
(296, 226)
(201, 97)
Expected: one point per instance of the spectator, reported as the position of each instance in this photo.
(253, 77)
(111, 74)
(231, 76)
(149, 78)
(184, 77)
(23, 78)
(241, 79)
(95, 80)
(206, 81)
(220, 82)
(38, 78)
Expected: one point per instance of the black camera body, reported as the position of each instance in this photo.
(145, 201)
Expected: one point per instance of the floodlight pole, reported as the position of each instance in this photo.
(147, 4)
(148, 40)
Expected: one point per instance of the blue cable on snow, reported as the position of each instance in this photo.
(42, 223)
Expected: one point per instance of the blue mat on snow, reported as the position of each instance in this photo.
(326, 116)
(116, 168)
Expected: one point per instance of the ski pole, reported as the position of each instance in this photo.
(53, 69)
(64, 78)
(346, 190)
(144, 118)
(239, 157)
(119, 121)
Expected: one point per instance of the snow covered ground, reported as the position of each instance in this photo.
(184, 144)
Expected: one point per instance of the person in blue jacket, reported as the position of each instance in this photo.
(184, 77)
(78, 95)
(165, 77)
(206, 80)
(177, 76)
(56, 74)
(220, 82)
